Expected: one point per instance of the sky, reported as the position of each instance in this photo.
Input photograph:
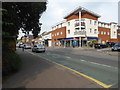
(57, 9)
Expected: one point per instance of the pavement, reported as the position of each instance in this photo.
(37, 72)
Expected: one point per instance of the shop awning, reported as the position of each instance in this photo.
(92, 38)
(65, 38)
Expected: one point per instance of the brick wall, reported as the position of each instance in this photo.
(63, 35)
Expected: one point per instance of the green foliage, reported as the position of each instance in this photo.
(23, 15)
(16, 15)
(11, 62)
(92, 43)
(16, 62)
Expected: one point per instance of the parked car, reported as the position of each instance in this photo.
(116, 47)
(21, 45)
(38, 48)
(110, 44)
(26, 46)
(100, 45)
(17, 45)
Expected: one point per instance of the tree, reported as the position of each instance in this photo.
(23, 15)
(16, 15)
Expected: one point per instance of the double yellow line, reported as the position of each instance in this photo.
(96, 81)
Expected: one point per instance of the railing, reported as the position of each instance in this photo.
(80, 32)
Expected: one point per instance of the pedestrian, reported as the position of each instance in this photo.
(23, 47)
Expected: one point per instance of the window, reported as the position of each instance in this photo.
(68, 23)
(61, 24)
(68, 31)
(101, 32)
(57, 33)
(90, 30)
(95, 22)
(99, 24)
(61, 33)
(108, 33)
(95, 31)
(90, 21)
(114, 32)
(52, 35)
(104, 33)
(114, 26)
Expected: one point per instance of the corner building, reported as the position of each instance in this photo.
(80, 27)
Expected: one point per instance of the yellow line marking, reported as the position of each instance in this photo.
(96, 81)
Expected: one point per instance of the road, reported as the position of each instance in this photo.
(99, 66)
(65, 68)
(37, 72)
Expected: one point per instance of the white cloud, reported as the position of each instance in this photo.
(57, 9)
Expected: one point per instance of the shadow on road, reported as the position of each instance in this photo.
(31, 67)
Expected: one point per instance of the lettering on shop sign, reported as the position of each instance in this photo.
(79, 33)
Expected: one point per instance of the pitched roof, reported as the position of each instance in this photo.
(83, 10)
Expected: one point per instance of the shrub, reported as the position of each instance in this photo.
(92, 43)
(11, 62)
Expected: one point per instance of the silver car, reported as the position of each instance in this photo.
(116, 47)
(38, 48)
(26, 46)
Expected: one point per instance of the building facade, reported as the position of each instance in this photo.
(82, 26)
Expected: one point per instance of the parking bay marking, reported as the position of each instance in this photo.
(96, 81)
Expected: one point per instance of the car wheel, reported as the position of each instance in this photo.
(112, 49)
(44, 51)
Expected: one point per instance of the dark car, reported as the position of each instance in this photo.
(100, 45)
(116, 47)
(110, 44)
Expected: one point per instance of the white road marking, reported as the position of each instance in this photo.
(99, 64)
(86, 61)
(68, 57)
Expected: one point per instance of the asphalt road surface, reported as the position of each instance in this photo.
(100, 66)
(37, 72)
